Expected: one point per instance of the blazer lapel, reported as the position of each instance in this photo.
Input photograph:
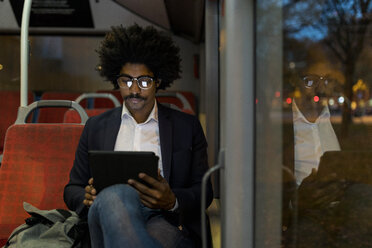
(112, 127)
(165, 133)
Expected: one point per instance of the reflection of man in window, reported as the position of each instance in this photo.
(313, 131)
(331, 212)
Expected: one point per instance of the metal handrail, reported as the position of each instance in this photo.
(99, 95)
(25, 52)
(204, 196)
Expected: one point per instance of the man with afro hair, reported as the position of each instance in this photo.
(166, 211)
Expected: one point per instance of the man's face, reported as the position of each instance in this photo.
(313, 87)
(135, 98)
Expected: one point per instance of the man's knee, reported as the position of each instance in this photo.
(122, 191)
(113, 196)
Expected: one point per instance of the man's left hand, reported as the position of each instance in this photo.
(160, 196)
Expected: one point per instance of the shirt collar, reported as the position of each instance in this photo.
(152, 116)
(297, 114)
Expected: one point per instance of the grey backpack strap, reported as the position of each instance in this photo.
(64, 213)
(53, 216)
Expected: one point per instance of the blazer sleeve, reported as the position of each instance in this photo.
(189, 198)
(74, 192)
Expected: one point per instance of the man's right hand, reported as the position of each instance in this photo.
(90, 193)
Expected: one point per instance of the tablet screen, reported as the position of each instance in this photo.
(116, 167)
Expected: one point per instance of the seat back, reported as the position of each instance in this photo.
(105, 103)
(35, 168)
(191, 99)
(176, 99)
(108, 96)
(71, 116)
(52, 115)
(8, 108)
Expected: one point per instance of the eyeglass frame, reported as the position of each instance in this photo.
(318, 80)
(153, 79)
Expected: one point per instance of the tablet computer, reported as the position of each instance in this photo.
(116, 167)
(352, 166)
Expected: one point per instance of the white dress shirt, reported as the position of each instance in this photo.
(139, 137)
(311, 140)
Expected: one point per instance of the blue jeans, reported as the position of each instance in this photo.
(117, 218)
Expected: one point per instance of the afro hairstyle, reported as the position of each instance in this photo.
(138, 45)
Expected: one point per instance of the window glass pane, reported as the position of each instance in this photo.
(269, 81)
(57, 63)
(314, 123)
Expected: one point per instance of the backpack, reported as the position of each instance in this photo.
(57, 228)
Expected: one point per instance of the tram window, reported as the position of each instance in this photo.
(70, 63)
(57, 63)
(314, 123)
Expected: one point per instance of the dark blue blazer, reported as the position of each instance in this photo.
(184, 156)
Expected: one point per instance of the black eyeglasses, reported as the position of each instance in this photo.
(311, 81)
(143, 82)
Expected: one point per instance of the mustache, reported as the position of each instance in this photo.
(134, 96)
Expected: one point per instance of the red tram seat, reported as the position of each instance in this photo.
(71, 116)
(177, 99)
(190, 98)
(35, 168)
(10, 101)
(53, 115)
(105, 103)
